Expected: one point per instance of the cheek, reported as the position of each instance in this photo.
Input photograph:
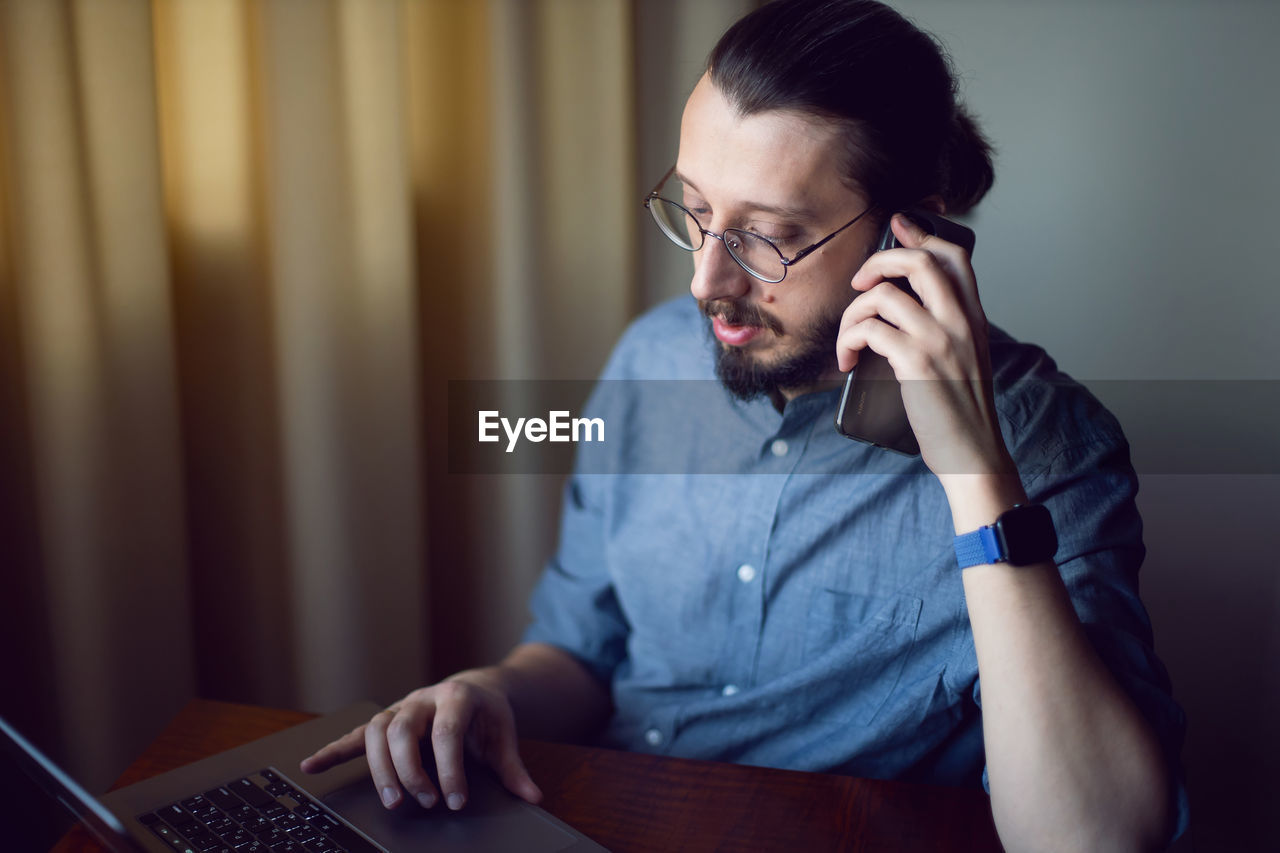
(839, 295)
(830, 294)
(800, 310)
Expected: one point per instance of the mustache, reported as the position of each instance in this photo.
(736, 313)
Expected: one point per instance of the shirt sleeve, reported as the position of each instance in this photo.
(1089, 486)
(574, 606)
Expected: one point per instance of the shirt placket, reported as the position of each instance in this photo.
(779, 456)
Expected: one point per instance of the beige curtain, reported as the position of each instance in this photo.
(244, 246)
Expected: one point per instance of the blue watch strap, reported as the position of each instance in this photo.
(978, 548)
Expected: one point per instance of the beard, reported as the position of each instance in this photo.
(746, 376)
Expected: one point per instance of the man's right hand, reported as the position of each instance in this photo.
(467, 711)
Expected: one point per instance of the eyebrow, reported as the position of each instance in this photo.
(798, 214)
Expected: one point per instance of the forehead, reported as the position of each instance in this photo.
(777, 158)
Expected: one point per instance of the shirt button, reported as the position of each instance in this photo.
(653, 737)
(779, 448)
(729, 690)
(746, 573)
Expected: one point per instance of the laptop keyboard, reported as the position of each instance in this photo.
(260, 813)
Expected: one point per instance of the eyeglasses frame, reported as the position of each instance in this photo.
(786, 262)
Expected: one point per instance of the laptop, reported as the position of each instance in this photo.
(254, 799)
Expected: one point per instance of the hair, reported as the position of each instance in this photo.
(887, 83)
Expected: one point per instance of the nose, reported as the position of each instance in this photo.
(716, 275)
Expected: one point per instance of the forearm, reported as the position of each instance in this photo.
(1072, 763)
(554, 697)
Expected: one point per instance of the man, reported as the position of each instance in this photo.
(806, 601)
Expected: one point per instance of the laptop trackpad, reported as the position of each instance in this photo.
(493, 819)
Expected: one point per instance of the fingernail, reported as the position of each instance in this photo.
(426, 800)
(455, 802)
(388, 797)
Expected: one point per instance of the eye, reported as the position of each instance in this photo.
(781, 239)
(697, 207)
(779, 233)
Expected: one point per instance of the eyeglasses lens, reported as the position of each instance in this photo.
(676, 223)
(754, 253)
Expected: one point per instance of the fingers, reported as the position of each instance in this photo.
(482, 718)
(343, 749)
(404, 742)
(381, 767)
(872, 317)
(953, 259)
(939, 335)
(939, 272)
(456, 713)
(892, 305)
(882, 338)
(925, 274)
(453, 717)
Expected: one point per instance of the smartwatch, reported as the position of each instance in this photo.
(1022, 536)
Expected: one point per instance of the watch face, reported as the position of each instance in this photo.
(1027, 535)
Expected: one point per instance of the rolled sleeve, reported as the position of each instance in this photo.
(574, 605)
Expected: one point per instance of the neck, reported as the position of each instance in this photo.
(782, 396)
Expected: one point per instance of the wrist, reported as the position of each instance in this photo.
(977, 500)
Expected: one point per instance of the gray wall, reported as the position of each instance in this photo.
(1131, 232)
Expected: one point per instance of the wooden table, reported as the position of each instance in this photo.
(627, 801)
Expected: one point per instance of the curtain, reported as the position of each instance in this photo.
(244, 247)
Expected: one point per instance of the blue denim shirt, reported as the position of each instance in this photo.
(755, 587)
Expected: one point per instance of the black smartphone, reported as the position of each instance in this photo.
(871, 407)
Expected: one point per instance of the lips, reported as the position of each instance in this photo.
(734, 336)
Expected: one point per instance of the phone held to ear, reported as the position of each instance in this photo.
(871, 407)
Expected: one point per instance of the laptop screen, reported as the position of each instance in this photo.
(61, 788)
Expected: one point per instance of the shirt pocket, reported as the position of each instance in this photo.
(857, 646)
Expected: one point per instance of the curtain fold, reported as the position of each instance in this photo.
(211, 123)
(92, 320)
(244, 248)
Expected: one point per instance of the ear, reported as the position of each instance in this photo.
(933, 203)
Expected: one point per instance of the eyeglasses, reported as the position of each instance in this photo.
(755, 254)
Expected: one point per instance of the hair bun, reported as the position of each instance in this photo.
(888, 83)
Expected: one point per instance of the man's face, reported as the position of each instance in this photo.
(776, 174)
